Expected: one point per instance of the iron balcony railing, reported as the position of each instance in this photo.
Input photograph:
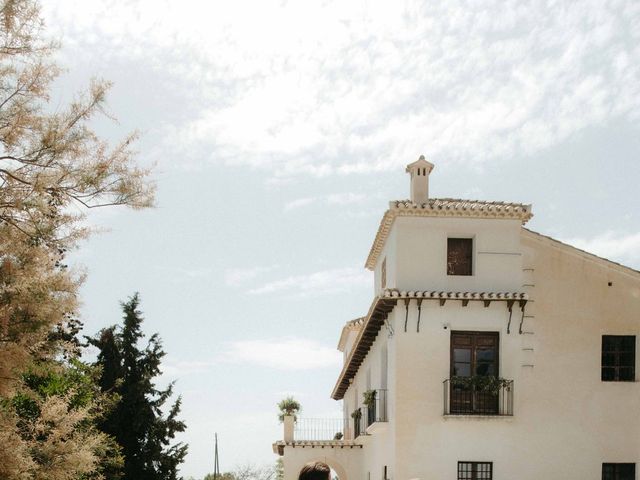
(318, 429)
(478, 396)
(377, 411)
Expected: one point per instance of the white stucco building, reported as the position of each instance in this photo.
(494, 353)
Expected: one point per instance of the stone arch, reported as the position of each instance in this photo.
(335, 465)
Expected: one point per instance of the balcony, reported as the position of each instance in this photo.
(377, 410)
(330, 433)
(480, 396)
(318, 429)
(369, 418)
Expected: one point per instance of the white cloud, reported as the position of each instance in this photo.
(180, 368)
(282, 354)
(298, 203)
(322, 88)
(347, 198)
(616, 246)
(180, 275)
(324, 282)
(236, 277)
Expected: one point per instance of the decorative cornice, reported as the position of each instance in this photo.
(355, 324)
(278, 447)
(443, 295)
(444, 207)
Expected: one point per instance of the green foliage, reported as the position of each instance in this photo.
(356, 414)
(369, 398)
(288, 407)
(60, 402)
(279, 469)
(222, 476)
(481, 383)
(137, 422)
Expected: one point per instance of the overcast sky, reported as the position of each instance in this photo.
(280, 130)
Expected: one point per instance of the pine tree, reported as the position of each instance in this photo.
(137, 422)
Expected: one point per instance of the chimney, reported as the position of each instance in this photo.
(419, 171)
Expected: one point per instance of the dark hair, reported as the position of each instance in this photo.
(315, 471)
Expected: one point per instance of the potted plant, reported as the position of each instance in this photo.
(288, 407)
(369, 398)
(482, 383)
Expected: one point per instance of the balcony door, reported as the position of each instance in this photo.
(473, 355)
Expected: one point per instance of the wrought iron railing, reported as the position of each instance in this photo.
(318, 429)
(478, 396)
(377, 411)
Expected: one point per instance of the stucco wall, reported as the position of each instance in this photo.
(421, 254)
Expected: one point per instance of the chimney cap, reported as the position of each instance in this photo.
(420, 163)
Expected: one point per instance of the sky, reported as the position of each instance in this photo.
(278, 131)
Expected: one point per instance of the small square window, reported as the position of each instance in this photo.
(459, 256)
(618, 358)
(618, 471)
(475, 470)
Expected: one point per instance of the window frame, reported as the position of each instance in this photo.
(616, 473)
(614, 354)
(474, 470)
(469, 401)
(471, 265)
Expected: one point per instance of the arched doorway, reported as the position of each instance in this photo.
(337, 471)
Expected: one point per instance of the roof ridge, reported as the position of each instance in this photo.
(461, 200)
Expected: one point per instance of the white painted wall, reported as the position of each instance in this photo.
(421, 254)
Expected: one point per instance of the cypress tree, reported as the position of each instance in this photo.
(137, 422)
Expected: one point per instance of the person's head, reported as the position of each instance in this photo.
(315, 471)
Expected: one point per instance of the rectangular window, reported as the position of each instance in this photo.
(618, 471)
(383, 273)
(459, 256)
(473, 354)
(475, 470)
(618, 358)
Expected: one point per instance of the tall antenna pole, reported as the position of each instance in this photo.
(216, 465)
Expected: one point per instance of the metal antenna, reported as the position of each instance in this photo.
(216, 466)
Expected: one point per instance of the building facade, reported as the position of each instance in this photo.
(489, 351)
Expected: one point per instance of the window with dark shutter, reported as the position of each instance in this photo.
(459, 256)
(618, 358)
(383, 273)
(475, 470)
(618, 471)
